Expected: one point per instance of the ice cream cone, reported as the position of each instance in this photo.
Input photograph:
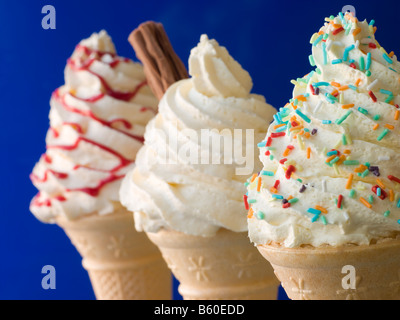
(224, 267)
(309, 273)
(122, 263)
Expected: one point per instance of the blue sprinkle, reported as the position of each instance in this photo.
(326, 121)
(277, 196)
(387, 58)
(336, 61)
(318, 40)
(313, 211)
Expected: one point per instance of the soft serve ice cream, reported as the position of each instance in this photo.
(184, 195)
(331, 171)
(97, 122)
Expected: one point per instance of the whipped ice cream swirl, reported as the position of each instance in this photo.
(182, 194)
(331, 171)
(97, 122)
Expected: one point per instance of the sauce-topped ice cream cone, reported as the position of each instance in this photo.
(97, 121)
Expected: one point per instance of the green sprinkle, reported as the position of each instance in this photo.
(367, 164)
(260, 215)
(271, 157)
(333, 161)
(318, 70)
(351, 162)
(365, 173)
(390, 98)
(294, 200)
(377, 117)
(267, 173)
(386, 213)
(312, 61)
(303, 116)
(368, 73)
(344, 140)
(398, 204)
(362, 64)
(246, 184)
(383, 134)
(252, 201)
(352, 193)
(362, 110)
(339, 121)
(371, 199)
(324, 220)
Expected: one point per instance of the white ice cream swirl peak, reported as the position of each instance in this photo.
(180, 193)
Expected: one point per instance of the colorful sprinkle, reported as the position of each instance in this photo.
(383, 134)
(303, 116)
(365, 203)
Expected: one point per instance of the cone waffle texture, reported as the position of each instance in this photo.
(224, 267)
(316, 273)
(122, 263)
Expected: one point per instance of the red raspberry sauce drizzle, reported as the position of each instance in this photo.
(125, 96)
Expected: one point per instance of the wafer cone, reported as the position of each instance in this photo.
(316, 273)
(122, 263)
(223, 267)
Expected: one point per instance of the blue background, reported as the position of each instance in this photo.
(269, 38)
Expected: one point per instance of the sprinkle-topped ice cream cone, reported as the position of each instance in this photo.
(328, 195)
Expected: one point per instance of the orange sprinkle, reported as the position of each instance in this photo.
(348, 106)
(389, 126)
(286, 152)
(375, 126)
(301, 132)
(322, 209)
(301, 98)
(349, 181)
(361, 168)
(279, 125)
(335, 84)
(330, 158)
(343, 88)
(335, 93)
(250, 213)
(308, 152)
(342, 158)
(347, 151)
(396, 115)
(293, 118)
(375, 28)
(320, 32)
(358, 82)
(391, 54)
(335, 25)
(273, 190)
(380, 183)
(365, 202)
(254, 176)
(307, 135)
(259, 184)
(356, 31)
(290, 197)
(391, 195)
